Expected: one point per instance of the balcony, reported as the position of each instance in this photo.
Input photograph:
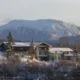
(43, 53)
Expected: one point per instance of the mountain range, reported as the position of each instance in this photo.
(39, 30)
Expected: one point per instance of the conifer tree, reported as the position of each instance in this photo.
(10, 43)
(32, 50)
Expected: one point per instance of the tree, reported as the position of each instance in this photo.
(10, 39)
(75, 74)
(3, 47)
(32, 51)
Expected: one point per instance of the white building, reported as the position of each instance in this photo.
(62, 53)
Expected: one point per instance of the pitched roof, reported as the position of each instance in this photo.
(27, 44)
(59, 49)
(24, 44)
(45, 43)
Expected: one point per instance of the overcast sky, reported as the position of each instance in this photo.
(66, 10)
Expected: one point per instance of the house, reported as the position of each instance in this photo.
(41, 48)
(61, 53)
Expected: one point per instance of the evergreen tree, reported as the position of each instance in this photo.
(10, 43)
(10, 38)
(32, 50)
(3, 47)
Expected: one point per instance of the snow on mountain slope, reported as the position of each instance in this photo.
(40, 30)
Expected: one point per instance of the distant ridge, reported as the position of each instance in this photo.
(39, 30)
